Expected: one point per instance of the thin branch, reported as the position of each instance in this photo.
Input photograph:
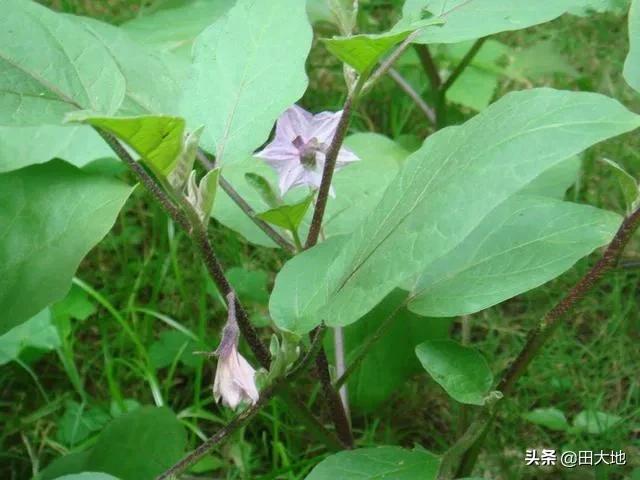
(243, 417)
(415, 96)
(538, 337)
(428, 65)
(272, 233)
(464, 63)
(339, 357)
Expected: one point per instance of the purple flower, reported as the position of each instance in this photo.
(235, 378)
(298, 150)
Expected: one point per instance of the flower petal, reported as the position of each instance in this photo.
(324, 125)
(290, 178)
(295, 121)
(345, 156)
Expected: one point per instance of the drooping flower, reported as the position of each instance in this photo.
(298, 151)
(235, 377)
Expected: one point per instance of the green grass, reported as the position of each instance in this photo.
(142, 271)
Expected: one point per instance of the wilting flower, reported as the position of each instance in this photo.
(235, 378)
(298, 150)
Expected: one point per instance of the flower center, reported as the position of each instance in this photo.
(308, 151)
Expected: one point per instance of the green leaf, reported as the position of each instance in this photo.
(474, 89)
(525, 242)
(587, 7)
(360, 185)
(627, 183)
(50, 66)
(37, 332)
(470, 19)
(175, 26)
(24, 146)
(539, 60)
(596, 423)
(264, 188)
(632, 63)
(377, 463)
(461, 371)
(184, 164)
(551, 418)
(52, 215)
(249, 284)
(287, 216)
(555, 181)
(363, 52)
(391, 360)
(296, 286)
(65, 465)
(255, 57)
(139, 445)
(208, 188)
(88, 476)
(153, 79)
(158, 139)
(79, 422)
(446, 189)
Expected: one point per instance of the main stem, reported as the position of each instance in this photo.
(541, 333)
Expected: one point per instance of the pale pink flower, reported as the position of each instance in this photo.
(235, 377)
(297, 152)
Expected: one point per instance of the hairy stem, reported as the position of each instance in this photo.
(271, 232)
(543, 331)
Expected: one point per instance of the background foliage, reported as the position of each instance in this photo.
(141, 303)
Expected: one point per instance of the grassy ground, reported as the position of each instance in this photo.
(591, 363)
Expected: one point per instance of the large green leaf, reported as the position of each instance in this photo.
(461, 371)
(469, 19)
(50, 66)
(248, 68)
(37, 332)
(378, 463)
(391, 359)
(139, 445)
(175, 26)
(153, 79)
(525, 242)
(555, 181)
(51, 216)
(632, 63)
(297, 285)
(158, 139)
(446, 189)
(23, 146)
